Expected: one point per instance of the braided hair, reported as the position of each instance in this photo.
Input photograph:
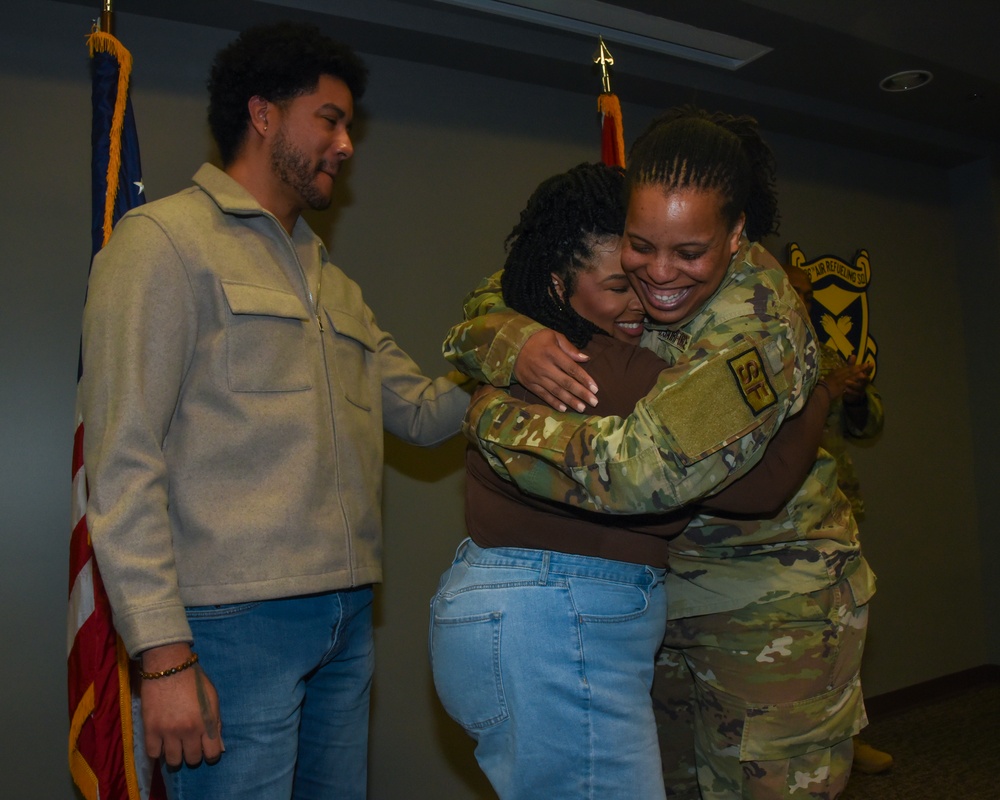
(565, 217)
(688, 147)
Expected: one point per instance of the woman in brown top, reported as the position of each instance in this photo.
(545, 628)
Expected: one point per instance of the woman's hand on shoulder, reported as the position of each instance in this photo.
(549, 366)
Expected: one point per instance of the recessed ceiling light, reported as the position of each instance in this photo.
(906, 80)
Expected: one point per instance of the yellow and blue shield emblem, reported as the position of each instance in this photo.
(840, 303)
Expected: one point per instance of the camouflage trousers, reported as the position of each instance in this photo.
(762, 702)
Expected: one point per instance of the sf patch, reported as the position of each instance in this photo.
(752, 380)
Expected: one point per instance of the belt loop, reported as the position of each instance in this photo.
(653, 578)
(543, 576)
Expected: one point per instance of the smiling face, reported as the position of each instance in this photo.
(676, 249)
(311, 142)
(602, 293)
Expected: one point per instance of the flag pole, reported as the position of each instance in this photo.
(107, 23)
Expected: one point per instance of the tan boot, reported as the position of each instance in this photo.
(869, 760)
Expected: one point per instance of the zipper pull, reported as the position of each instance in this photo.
(316, 311)
(319, 293)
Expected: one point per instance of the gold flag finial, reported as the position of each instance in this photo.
(605, 59)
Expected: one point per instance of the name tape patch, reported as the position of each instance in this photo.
(678, 339)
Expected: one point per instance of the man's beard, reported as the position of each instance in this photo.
(291, 166)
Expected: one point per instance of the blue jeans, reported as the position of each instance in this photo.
(546, 660)
(294, 680)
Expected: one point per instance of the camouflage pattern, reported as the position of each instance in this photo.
(762, 702)
(840, 429)
(695, 432)
(738, 590)
(735, 371)
(486, 344)
(721, 563)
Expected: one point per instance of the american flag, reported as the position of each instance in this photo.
(106, 752)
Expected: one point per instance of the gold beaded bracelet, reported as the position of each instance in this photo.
(163, 673)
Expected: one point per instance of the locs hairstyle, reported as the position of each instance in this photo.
(688, 147)
(279, 62)
(563, 219)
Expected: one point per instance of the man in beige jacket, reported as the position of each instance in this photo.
(234, 400)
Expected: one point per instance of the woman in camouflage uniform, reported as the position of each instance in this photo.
(545, 629)
(767, 614)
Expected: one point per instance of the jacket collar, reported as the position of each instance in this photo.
(227, 193)
(231, 198)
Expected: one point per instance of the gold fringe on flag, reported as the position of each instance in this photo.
(128, 723)
(101, 42)
(83, 776)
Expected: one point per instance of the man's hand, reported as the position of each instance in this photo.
(180, 713)
(549, 366)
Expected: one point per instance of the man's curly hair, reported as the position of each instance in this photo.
(565, 216)
(277, 61)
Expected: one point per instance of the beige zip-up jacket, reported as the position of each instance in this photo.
(234, 393)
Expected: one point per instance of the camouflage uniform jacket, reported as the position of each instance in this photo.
(735, 371)
(840, 428)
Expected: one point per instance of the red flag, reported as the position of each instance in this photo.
(106, 751)
(612, 136)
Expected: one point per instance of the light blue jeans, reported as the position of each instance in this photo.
(294, 681)
(546, 660)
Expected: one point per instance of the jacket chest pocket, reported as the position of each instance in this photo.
(266, 345)
(351, 356)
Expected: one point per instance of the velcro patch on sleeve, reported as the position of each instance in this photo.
(752, 380)
(710, 407)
